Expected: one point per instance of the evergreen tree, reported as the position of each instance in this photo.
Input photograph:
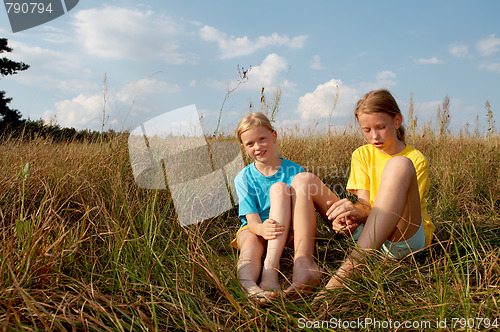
(9, 117)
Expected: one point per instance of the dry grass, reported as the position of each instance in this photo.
(83, 248)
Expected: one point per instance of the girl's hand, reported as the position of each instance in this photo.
(344, 215)
(270, 229)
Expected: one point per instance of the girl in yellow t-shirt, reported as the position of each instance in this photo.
(391, 181)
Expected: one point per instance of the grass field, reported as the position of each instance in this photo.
(83, 248)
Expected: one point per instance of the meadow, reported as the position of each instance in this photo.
(84, 249)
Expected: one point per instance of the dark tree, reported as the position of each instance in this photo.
(9, 117)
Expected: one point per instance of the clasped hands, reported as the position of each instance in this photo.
(344, 216)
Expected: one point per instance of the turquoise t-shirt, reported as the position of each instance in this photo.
(253, 188)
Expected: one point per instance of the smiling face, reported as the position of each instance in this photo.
(258, 142)
(380, 130)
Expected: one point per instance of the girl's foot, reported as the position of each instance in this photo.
(260, 296)
(269, 281)
(334, 283)
(306, 276)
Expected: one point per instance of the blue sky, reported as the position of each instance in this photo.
(162, 55)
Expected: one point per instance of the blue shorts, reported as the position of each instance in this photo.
(399, 249)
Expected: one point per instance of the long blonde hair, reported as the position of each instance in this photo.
(252, 120)
(380, 101)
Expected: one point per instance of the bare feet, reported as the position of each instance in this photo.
(269, 281)
(334, 283)
(306, 276)
(258, 295)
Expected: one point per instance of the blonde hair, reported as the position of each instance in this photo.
(252, 120)
(380, 101)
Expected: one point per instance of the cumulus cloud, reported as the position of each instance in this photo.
(79, 112)
(488, 46)
(318, 104)
(459, 51)
(86, 110)
(231, 46)
(121, 33)
(429, 61)
(269, 73)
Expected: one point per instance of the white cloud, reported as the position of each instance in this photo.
(459, 51)
(44, 59)
(121, 33)
(268, 73)
(316, 63)
(86, 110)
(232, 46)
(385, 76)
(56, 35)
(147, 85)
(488, 46)
(79, 112)
(77, 85)
(384, 80)
(318, 104)
(491, 67)
(45, 65)
(429, 61)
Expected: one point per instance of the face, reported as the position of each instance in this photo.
(380, 130)
(258, 142)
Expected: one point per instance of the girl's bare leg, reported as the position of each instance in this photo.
(249, 265)
(308, 193)
(281, 212)
(395, 214)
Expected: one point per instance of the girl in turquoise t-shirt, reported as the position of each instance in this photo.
(264, 191)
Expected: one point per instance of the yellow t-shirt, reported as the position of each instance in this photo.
(367, 165)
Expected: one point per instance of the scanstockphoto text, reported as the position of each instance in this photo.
(474, 323)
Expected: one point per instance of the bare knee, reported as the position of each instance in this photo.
(308, 185)
(303, 182)
(249, 242)
(279, 189)
(400, 165)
